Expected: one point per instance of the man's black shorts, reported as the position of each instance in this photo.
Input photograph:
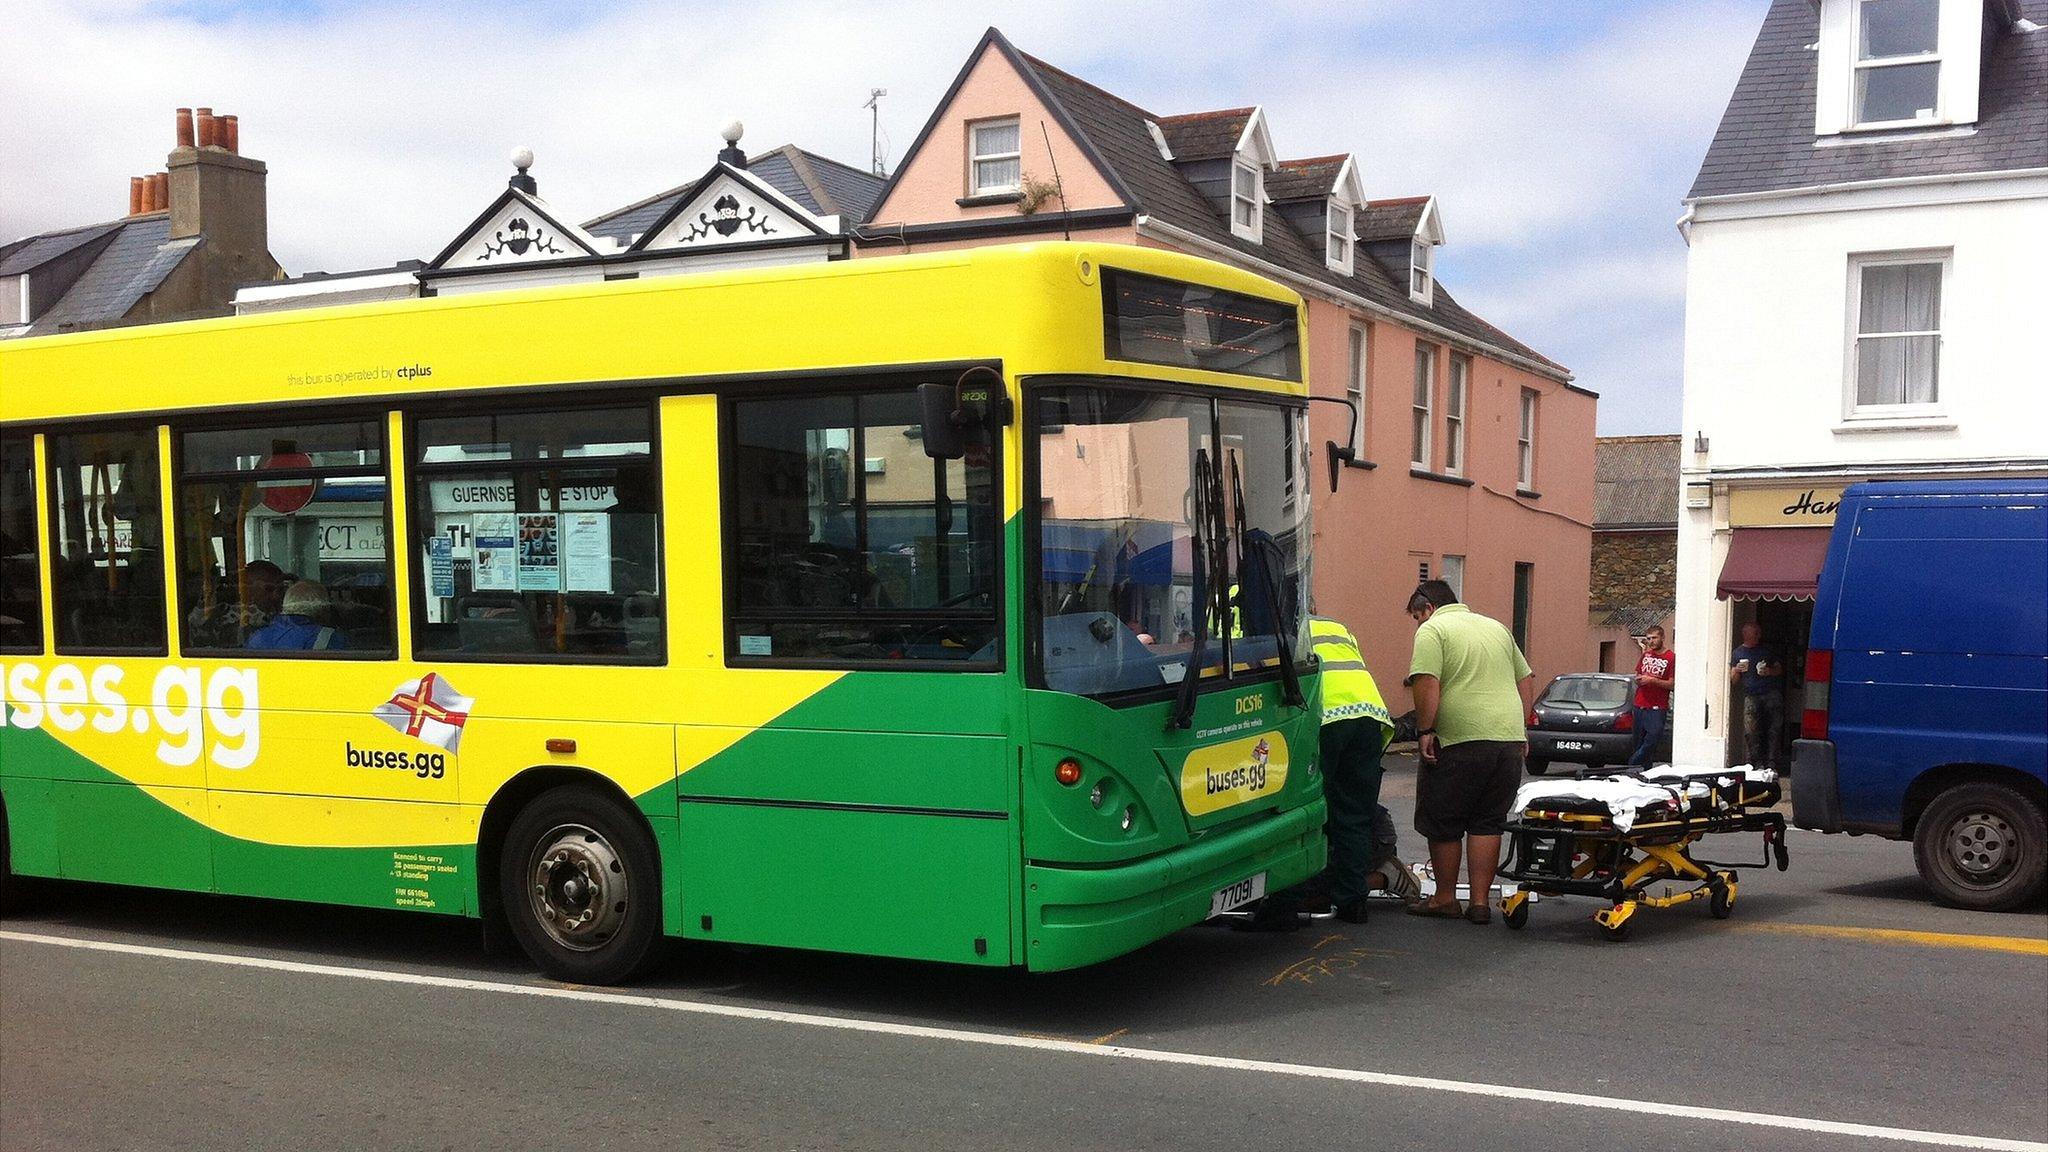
(1468, 791)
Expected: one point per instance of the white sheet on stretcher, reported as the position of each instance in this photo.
(1625, 797)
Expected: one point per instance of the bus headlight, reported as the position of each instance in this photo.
(1130, 817)
(1095, 797)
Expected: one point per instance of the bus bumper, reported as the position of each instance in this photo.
(1078, 916)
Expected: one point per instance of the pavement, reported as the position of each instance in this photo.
(1838, 1008)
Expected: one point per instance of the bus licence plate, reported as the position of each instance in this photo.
(1238, 895)
(1575, 745)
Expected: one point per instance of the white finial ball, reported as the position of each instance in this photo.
(732, 132)
(522, 157)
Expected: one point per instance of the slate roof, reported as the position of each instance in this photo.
(132, 265)
(1115, 127)
(1304, 179)
(1635, 481)
(1390, 219)
(32, 252)
(822, 185)
(1202, 135)
(1766, 140)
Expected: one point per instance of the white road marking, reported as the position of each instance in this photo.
(1031, 1043)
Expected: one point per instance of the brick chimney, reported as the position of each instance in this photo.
(218, 193)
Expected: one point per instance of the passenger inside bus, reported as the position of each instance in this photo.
(302, 624)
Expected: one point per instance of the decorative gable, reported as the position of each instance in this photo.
(728, 207)
(516, 229)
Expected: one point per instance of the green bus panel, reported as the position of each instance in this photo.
(903, 884)
(119, 834)
(423, 879)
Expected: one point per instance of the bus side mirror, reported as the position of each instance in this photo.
(1339, 454)
(936, 408)
(966, 414)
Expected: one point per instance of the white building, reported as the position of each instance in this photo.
(1866, 297)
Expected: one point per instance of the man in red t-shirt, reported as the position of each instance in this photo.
(1653, 694)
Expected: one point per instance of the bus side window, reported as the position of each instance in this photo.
(538, 535)
(21, 547)
(281, 540)
(851, 546)
(107, 567)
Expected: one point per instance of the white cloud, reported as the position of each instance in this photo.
(1558, 153)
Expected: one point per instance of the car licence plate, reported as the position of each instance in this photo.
(1575, 745)
(1238, 895)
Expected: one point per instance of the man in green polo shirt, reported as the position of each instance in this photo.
(1472, 688)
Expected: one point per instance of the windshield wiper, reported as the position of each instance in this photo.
(1203, 512)
(1270, 560)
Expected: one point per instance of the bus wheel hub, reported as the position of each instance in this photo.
(578, 887)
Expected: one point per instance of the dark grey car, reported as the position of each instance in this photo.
(1586, 718)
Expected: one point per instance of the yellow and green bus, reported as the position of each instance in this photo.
(941, 606)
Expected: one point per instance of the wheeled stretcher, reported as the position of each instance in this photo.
(1613, 835)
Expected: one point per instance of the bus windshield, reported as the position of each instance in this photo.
(1155, 507)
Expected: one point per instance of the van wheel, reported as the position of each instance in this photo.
(581, 884)
(1983, 846)
(1537, 767)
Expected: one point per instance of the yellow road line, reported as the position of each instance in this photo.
(2020, 945)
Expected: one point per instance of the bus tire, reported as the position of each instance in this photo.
(581, 883)
(1983, 846)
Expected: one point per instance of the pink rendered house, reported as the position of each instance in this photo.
(1473, 459)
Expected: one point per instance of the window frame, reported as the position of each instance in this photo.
(1358, 365)
(270, 418)
(418, 472)
(1453, 562)
(37, 514)
(854, 383)
(53, 544)
(1458, 388)
(1852, 409)
(1422, 268)
(1422, 416)
(976, 157)
(1860, 66)
(1522, 598)
(1335, 235)
(1254, 230)
(1526, 418)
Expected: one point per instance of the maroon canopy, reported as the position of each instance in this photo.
(1773, 563)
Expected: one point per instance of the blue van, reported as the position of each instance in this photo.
(1927, 684)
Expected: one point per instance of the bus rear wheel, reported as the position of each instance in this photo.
(581, 885)
(1983, 846)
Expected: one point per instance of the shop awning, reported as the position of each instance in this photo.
(1773, 563)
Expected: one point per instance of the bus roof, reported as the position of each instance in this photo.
(1036, 307)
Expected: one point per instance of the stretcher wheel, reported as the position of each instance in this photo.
(1516, 916)
(1616, 933)
(1722, 902)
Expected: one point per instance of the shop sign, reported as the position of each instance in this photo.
(1812, 507)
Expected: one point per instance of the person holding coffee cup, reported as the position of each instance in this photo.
(1757, 669)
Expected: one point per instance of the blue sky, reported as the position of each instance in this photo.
(1559, 137)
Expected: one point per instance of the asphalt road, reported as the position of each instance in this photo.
(1836, 994)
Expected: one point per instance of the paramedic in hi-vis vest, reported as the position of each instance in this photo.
(1356, 728)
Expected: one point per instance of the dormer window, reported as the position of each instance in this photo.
(1247, 200)
(1421, 270)
(1898, 61)
(995, 164)
(1338, 237)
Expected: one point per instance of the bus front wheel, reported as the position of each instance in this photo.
(581, 885)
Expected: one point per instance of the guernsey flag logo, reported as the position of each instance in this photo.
(429, 708)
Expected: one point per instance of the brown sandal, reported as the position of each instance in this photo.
(1424, 908)
(1479, 913)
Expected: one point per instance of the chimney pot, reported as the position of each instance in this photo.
(185, 128)
(233, 143)
(134, 195)
(207, 129)
(160, 192)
